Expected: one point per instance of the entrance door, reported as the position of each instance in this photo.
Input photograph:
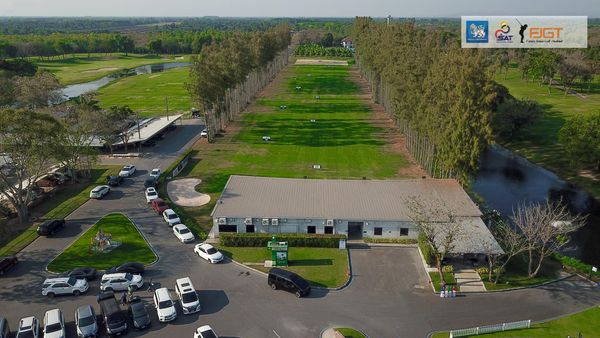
(355, 230)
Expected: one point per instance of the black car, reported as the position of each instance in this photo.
(131, 267)
(289, 281)
(49, 227)
(82, 273)
(114, 181)
(112, 316)
(6, 263)
(150, 182)
(138, 313)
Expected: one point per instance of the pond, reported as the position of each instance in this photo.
(506, 179)
(76, 90)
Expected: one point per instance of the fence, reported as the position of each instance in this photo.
(524, 324)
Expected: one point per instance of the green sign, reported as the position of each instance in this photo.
(279, 252)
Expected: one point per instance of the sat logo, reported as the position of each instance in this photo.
(501, 34)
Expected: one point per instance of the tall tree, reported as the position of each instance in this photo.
(581, 138)
(36, 91)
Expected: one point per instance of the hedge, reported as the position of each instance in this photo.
(295, 240)
(390, 240)
(581, 267)
(426, 251)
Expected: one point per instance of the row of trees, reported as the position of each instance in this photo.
(432, 87)
(318, 50)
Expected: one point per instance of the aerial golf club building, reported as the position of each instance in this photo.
(356, 208)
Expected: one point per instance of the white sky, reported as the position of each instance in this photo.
(297, 8)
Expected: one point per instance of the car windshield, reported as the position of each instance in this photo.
(165, 304)
(86, 321)
(72, 281)
(25, 334)
(211, 251)
(53, 327)
(189, 297)
(155, 172)
(184, 230)
(209, 334)
(161, 204)
(151, 193)
(128, 276)
(173, 216)
(96, 189)
(138, 311)
(301, 283)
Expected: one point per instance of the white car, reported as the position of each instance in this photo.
(155, 173)
(64, 286)
(183, 233)
(120, 281)
(171, 217)
(208, 252)
(204, 133)
(29, 327)
(151, 194)
(187, 296)
(127, 171)
(54, 324)
(205, 332)
(99, 191)
(165, 307)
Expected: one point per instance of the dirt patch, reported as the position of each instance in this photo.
(182, 192)
(100, 70)
(319, 62)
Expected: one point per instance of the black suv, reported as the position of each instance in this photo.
(112, 316)
(114, 181)
(289, 281)
(150, 182)
(6, 263)
(49, 227)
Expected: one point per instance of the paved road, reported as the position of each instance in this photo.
(382, 299)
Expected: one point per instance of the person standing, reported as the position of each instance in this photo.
(124, 299)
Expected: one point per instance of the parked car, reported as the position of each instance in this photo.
(208, 252)
(99, 191)
(54, 324)
(159, 205)
(4, 328)
(120, 281)
(150, 182)
(204, 133)
(183, 233)
(127, 171)
(131, 267)
(205, 332)
(49, 227)
(29, 327)
(82, 273)
(85, 321)
(112, 316)
(155, 173)
(188, 298)
(6, 263)
(114, 181)
(289, 281)
(171, 217)
(138, 313)
(151, 194)
(64, 286)
(164, 305)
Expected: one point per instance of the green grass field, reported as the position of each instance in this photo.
(79, 68)
(133, 247)
(324, 267)
(539, 142)
(146, 93)
(349, 333)
(516, 274)
(585, 322)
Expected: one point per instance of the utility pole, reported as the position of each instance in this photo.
(389, 18)
(167, 104)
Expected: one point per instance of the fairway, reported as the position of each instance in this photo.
(146, 93)
(79, 68)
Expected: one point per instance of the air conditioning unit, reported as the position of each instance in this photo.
(274, 221)
(222, 221)
(248, 221)
(329, 223)
(265, 221)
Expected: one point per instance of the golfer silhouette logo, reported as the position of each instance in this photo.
(522, 30)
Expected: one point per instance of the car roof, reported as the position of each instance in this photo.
(52, 316)
(204, 328)
(129, 166)
(180, 226)
(184, 280)
(56, 280)
(206, 246)
(156, 169)
(162, 294)
(114, 275)
(85, 310)
(150, 189)
(25, 322)
(282, 272)
(169, 211)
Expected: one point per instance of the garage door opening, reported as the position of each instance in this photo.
(227, 228)
(355, 230)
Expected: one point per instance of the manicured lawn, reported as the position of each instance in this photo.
(516, 274)
(133, 248)
(448, 278)
(146, 93)
(326, 267)
(539, 142)
(585, 322)
(80, 68)
(350, 333)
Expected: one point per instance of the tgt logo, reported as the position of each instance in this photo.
(545, 32)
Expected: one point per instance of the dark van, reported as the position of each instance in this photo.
(49, 227)
(289, 281)
(112, 316)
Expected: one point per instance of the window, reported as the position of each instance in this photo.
(328, 229)
(227, 228)
(378, 231)
(311, 229)
(403, 231)
(249, 228)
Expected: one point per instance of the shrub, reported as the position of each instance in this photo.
(426, 251)
(482, 270)
(448, 268)
(295, 240)
(391, 240)
(579, 266)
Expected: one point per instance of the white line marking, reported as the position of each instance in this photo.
(276, 334)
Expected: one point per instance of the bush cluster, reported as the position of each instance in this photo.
(391, 240)
(584, 269)
(294, 240)
(426, 251)
(318, 50)
(448, 268)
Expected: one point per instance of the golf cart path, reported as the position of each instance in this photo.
(182, 192)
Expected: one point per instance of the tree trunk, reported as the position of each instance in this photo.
(438, 263)
(539, 265)
(23, 212)
(530, 262)
(490, 268)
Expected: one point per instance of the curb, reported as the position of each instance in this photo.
(147, 241)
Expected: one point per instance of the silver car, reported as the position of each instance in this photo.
(99, 191)
(85, 321)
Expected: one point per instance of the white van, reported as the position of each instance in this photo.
(165, 307)
(54, 324)
(187, 295)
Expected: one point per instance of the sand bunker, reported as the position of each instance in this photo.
(100, 70)
(182, 192)
(317, 62)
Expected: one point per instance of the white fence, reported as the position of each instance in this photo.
(524, 324)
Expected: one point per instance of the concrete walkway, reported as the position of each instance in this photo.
(468, 280)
